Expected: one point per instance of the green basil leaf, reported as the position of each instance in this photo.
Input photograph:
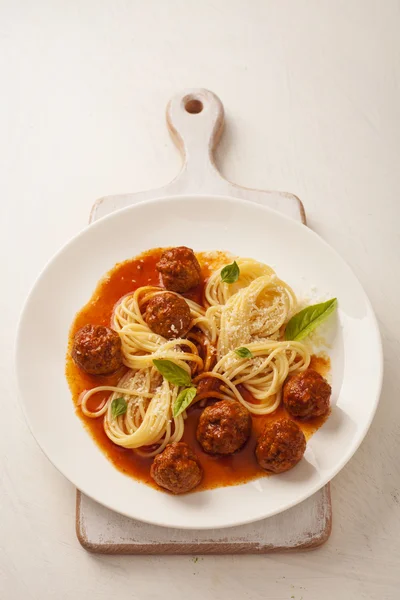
(118, 407)
(172, 372)
(244, 352)
(230, 273)
(183, 400)
(302, 324)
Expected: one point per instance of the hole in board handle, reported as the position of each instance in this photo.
(193, 106)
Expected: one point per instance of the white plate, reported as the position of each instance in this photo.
(299, 256)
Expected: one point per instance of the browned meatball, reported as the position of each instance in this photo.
(180, 269)
(177, 468)
(97, 350)
(307, 395)
(168, 315)
(223, 427)
(280, 446)
(208, 386)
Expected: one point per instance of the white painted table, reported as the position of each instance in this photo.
(312, 95)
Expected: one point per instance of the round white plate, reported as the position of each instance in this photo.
(298, 255)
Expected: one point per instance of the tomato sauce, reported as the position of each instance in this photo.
(123, 279)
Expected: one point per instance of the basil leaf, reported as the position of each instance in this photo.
(244, 352)
(230, 273)
(172, 372)
(118, 407)
(183, 400)
(302, 324)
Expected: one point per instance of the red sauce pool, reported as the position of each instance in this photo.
(125, 278)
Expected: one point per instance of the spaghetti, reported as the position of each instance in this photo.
(218, 292)
(256, 311)
(251, 312)
(263, 374)
(147, 420)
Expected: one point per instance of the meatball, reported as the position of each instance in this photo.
(97, 350)
(177, 468)
(223, 427)
(179, 268)
(307, 395)
(168, 315)
(281, 446)
(207, 386)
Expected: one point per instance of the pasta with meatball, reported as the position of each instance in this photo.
(171, 334)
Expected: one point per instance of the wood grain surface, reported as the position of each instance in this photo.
(304, 527)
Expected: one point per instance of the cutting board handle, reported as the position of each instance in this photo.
(195, 119)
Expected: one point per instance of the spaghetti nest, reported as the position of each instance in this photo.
(251, 312)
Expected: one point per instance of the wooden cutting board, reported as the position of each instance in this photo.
(195, 119)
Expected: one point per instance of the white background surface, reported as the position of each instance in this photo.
(312, 95)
